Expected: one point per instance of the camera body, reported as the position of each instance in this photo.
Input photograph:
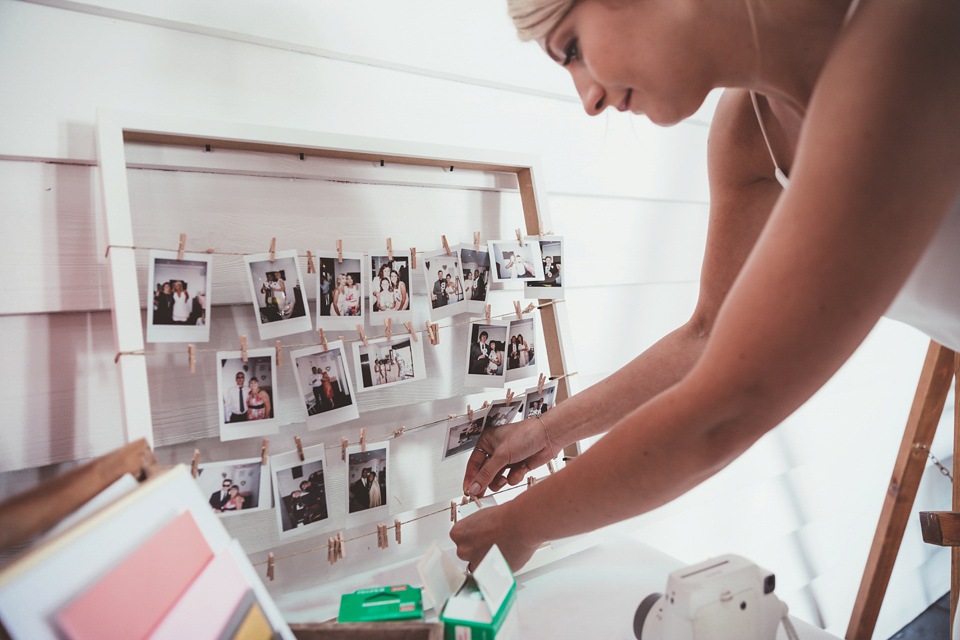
(724, 598)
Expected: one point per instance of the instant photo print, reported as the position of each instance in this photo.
(476, 276)
(486, 355)
(341, 289)
(537, 403)
(551, 287)
(324, 384)
(386, 363)
(512, 262)
(246, 392)
(521, 349)
(178, 299)
(300, 492)
(235, 486)
(389, 288)
(279, 301)
(367, 483)
(463, 434)
(445, 287)
(500, 413)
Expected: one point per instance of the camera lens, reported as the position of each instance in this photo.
(641, 616)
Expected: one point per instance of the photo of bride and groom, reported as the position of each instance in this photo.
(486, 356)
(339, 290)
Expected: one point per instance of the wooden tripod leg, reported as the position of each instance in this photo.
(922, 423)
(955, 551)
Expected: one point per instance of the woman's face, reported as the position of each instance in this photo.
(641, 57)
(394, 278)
(177, 286)
(254, 385)
(166, 287)
(349, 280)
(234, 492)
(384, 285)
(341, 280)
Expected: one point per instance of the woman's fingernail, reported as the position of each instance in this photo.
(474, 489)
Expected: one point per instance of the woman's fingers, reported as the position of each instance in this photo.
(474, 463)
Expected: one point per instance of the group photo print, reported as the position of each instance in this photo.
(463, 434)
(279, 302)
(324, 385)
(511, 261)
(486, 355)
(444, 284)
(476, 276)
(366, 482)
(500, 413)
(340, 290)
(246, 391)
(385, 363)
(551, 287)
(178, 299)
(521, 350)
(390, 287)
(537, 402)
(300, 491)
(235, 486)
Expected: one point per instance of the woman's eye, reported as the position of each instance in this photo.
(570, 52)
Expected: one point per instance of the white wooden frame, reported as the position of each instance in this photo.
(116, 127)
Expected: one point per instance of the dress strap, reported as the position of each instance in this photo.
(778, 172)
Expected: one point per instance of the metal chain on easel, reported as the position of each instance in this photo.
(933, 458)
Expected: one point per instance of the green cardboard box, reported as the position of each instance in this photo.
(478, 606)
(399, 602)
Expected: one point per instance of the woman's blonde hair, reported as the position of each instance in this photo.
(535, 19)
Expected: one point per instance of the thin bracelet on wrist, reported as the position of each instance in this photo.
(546, 433)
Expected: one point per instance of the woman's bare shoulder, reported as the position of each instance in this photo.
(737, 155)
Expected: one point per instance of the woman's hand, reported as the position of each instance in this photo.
(513, 449)
(475, 535)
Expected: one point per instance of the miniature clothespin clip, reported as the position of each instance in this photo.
(486, 403)
(382, 541)
(469, 413)
(516, 307)
(509, 396)
(387, 323)
(332, 550)
(183, 241)
(446, 247)
(550, 466)
(270, 566)
(362, 337)
(476, 501)
(273, 248)
(398, 432)
(192, 355)
(531, 481)
(530, 308)
(243, 348)
(413, 257)
(519, 236)
(540, 382)
(299, 448)
(363, 439)
(323, 340)
(264, 448)
(396, 530)
(453, 511)
(433, 334)
(343, 448)
(341, 552)
(413, 333)
(309, 262)
(339, 250)
(279, 353)
(476, 241)
(196, 463)
(486, 311)
(389, 249)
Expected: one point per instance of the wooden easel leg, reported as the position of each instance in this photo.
(925, 414)
(955, 551)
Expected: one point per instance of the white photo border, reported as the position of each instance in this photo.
(373, 514)
(337, 322)
(396, 317)
(285, 461)
(484, 379)
(416, 351)
(178, 333)
(541, 290)
(255, 428)
(264, 492)
(531, 247)
(271, 330)
(335, 416)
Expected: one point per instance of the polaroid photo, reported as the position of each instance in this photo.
(341, 290)
(521, 350)
(463, 434)
(235, 486)
(538, 403)
(180, 309)
(445, 286)
(386, 363)
(476, 276)
(279, 302)
(389, 287)
(487, 355)
(324, 383)
(367, 487)
(300, 492)
(510, 261)
(246, 393)
(501, 413)
(551, 287)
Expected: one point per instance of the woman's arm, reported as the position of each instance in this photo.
(266, 402)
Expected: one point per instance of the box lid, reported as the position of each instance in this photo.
(440, 574)
(398, 602)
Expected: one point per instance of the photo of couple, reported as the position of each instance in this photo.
(445, 285)
(537, 403)
(385, 362)
(246, 394)
(487, 356)
(463, 436)
(300, 491)
(390, 286)
(515, 262)
(500, 413)
(339, 290)
(521, 350)
(234, 485)
(177, 311)
(324, 385)
(278, 299)
(367, 480)
(552, 284)
(476, 276)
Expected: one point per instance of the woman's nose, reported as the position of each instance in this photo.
(591, 94)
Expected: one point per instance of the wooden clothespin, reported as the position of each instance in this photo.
(530, 307)
(382, 540)
(531, 481)
(446, 247)
(396, 530)
(341, 552)
(509, 396)
(243, 348)
(453, 511)
(469, 413)
(433, 333)
(516, 307)
(398, 432)
(323, 340)
(550, 466)
(387, 324)
(196, 463)
(486, 311)
(362, 337)
(309, 262)
(389, 249)
(183, 241)
(363, 439)
(270, 566)
(339, 250)
(299, 448)
(343, 448)
(540, 231)
(413, 257)
(192, 355)
(332, 550)
(273, 248)
(264, 448)
(519, 237)
(486, 403)
(413, 334)
(540, 382)
(476, 241)
(279, 353)
(476, 501)
(464, 501)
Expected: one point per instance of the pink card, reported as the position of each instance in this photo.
(130, 600)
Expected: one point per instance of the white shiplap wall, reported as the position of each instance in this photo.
(631, 199)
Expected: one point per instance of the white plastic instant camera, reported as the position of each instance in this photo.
(726, 598)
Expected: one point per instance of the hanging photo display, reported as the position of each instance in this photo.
(444, 279)
(511, 261)
(389, 287)
(476, 276)
(178, 299)
(521, 350)
(300, 492)
(487, 355)
(324, 384)
(279, 302)
(246, 392)
(235, 486)
(367, 483)
(501, 413)
(385, 363)
(341, 289)
(538, 403)
(463, 433)
(551, 287)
